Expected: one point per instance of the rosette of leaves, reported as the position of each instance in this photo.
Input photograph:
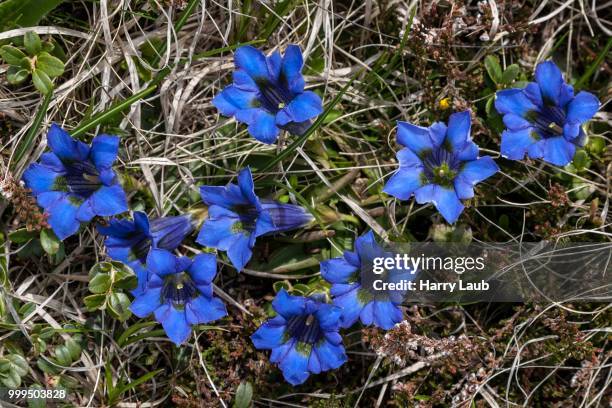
(33, 60)
(107, 282)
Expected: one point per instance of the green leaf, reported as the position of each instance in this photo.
(493, 68)
(244, 395)
(510, 74)
(25, 143)
(94, 302)
(16, 75)
(279, 285)
(101, 283)
(49, 241)
(51, 65)
(21, 236)
(12, 368)
(32, 43)
(42, 82)
(24, 13)
(74, 349)
(11, 55)
(36, 402)
(581, 160)
(62, 356)
(119, 306)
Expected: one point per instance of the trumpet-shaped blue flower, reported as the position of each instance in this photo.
(75, 182)
(440, 165)
(130, 241)
(544, 119)
(268, 93)
(236, 217)
(179, 293)
(303, 337)
(353, 290)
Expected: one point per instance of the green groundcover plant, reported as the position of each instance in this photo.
(228, 193)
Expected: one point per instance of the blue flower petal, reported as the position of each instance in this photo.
(367, 314)
(244, 82)
(117, 229)
(513, 101)
(40, 178)
(338, 270)
(445, 200)
(515, 143)
(533, 93)
(515, 122)
(147, 302)
(203, 269)
(291, 69)
(416, 138)
(350, 305)
(469, 151)
(104, 150)
(226, 196)
(49, 198)
(64, 146)
(218, 232)
(109, 200)
(274, 62)
(86, 211)
(314, 364)
(386, 314)
(53, 162)
(204, 310)
(263, 127)
(459, 125)
(582, 108)
(233, 99)
(174, 323)
(141, 221)
(437, 133)
(330, 355)
(471, 173)
(247, 187)
(295, 366)
(239, 253)
(252, 61)
(62, 217)
(566, 95)
(403, 183)
(558, 151)
(328, 317)
(303, 107)
(161, 262)
(287, 305)
(270, 334)
(550, 79)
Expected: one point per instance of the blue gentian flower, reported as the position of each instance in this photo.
(179, 292)
(268, 94)
(303, 336)
(130, 241)
(440, 165)
(75, 182)
(236, 217)
(353, 290)
(544, 119)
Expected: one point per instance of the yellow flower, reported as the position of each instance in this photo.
(444, 103)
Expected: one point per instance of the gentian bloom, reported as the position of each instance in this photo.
(303, 336)
(268, 94)
(130, 241)
(544, 119)
(440, 165)
(352, 280)
(179, 292)
(75, 182)
(236, 217)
